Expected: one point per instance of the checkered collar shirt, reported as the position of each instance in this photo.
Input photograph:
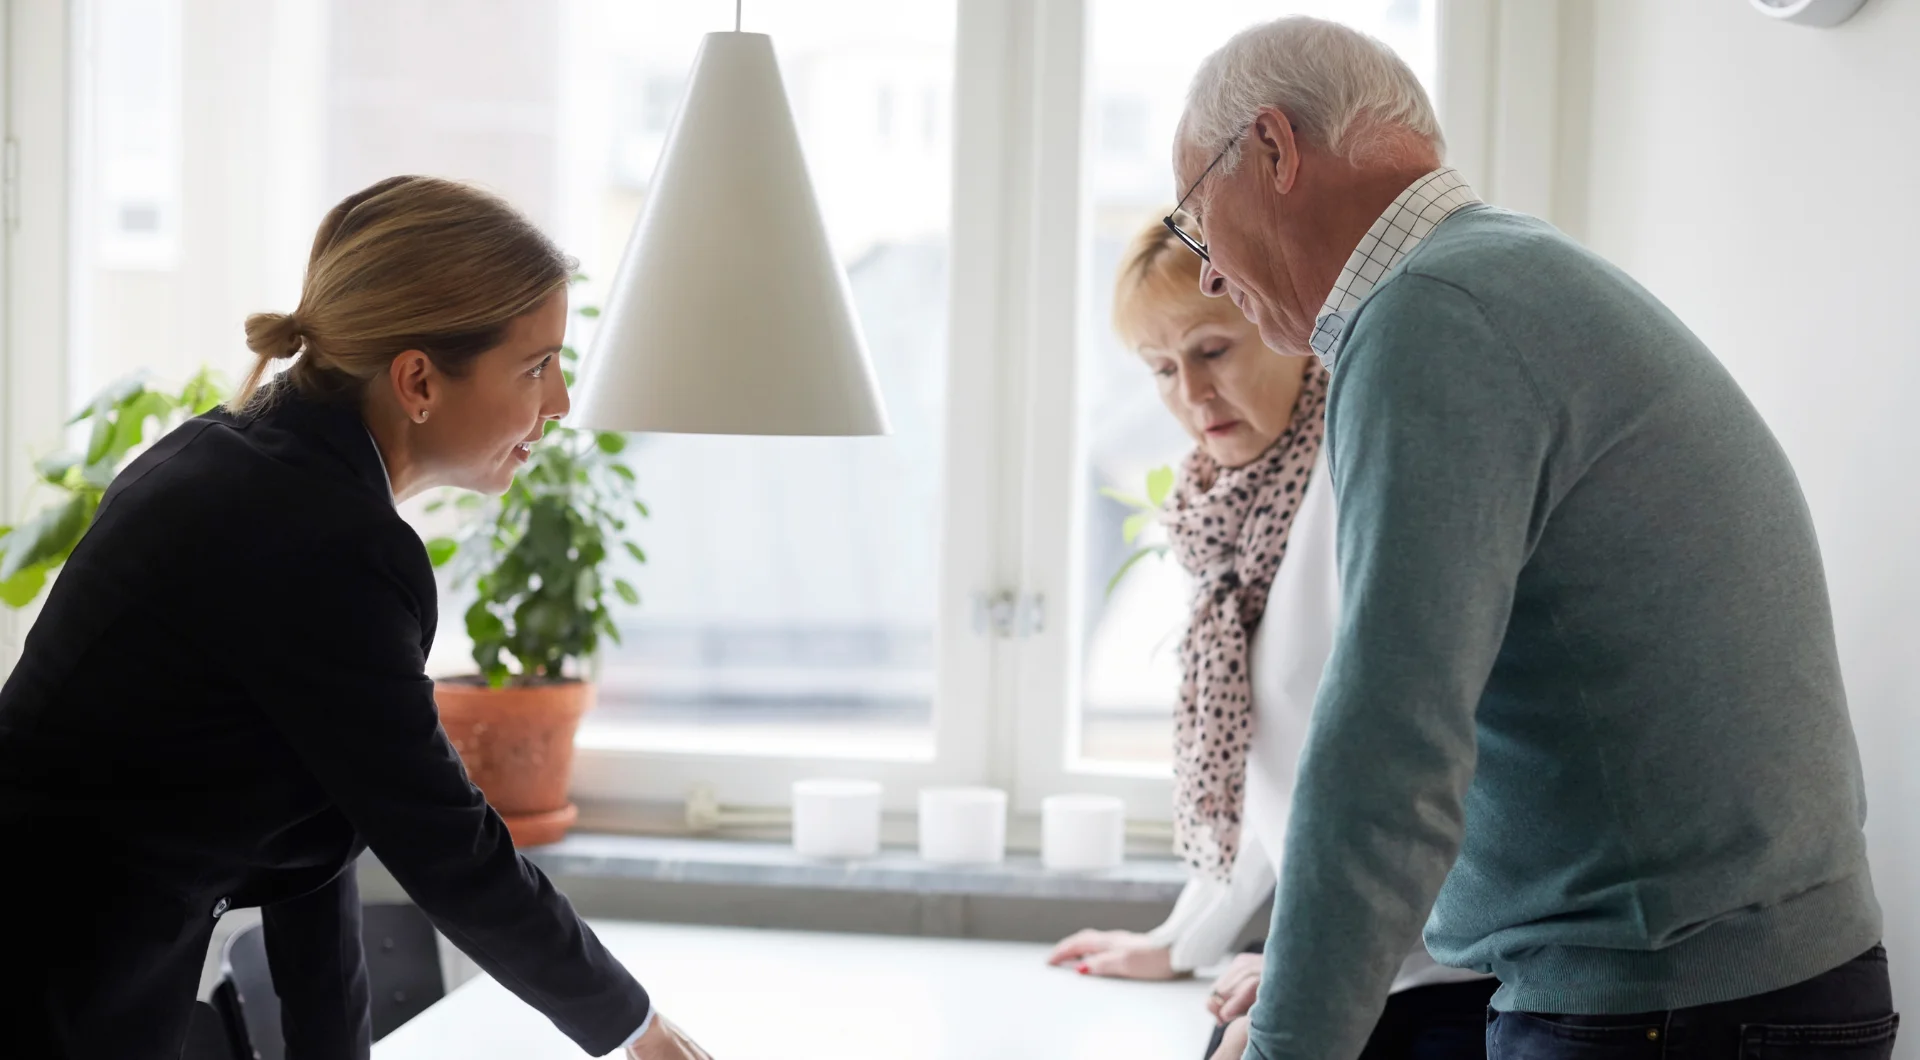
(1426, 202)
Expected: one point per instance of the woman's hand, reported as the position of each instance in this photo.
(1115, 954)
(1233, 992)
(1233, 1044)
(664, 1041)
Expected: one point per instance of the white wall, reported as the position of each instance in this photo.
(1764, 180)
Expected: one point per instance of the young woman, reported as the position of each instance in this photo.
(1252, 520)
(170, 752)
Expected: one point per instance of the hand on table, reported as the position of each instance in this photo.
(1233, 1044)
(1116, 954)
(1233, 992)
(664, 1041)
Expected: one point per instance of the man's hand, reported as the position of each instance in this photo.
(664, 1041)
(1233, 1044)
(1115, 954)
(1233, 992)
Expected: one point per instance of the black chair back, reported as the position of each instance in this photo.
(403, 978)
(403, 964)
(208, 1037)
(250, 985)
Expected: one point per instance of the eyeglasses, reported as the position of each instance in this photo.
(1193, 242)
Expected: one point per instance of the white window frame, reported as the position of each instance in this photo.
(1005, 708)
(968, 748)
(34, 272)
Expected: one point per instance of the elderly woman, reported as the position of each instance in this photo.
(1252, 520)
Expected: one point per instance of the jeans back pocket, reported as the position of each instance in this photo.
(1865, 1040)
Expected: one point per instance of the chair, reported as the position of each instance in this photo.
(248, 983)
(208, 1036)
(403, 977)
(403, 964)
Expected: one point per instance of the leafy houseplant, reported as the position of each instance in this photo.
(1146, 512)
(536, 558)
(33, 550)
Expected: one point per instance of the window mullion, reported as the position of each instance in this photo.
(34, 345)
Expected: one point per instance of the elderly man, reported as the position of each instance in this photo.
(1586, 660)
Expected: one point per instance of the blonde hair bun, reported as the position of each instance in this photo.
(273, 336)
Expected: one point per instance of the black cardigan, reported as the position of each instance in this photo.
(223, 702)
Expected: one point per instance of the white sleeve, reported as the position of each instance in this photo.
(1210, 914)
(645, 1025)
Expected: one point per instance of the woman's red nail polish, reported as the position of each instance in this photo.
(1084, 970)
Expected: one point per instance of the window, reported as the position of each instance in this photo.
(789, 604)
(136, 146)
(811, 606)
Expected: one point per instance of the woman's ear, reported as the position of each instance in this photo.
(415, 384)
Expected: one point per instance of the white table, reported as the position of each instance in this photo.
(747, 994)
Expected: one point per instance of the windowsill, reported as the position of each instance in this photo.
(737, 862)
(909, 744)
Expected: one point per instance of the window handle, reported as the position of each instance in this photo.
(1009, 614)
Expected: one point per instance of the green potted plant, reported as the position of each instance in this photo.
(1146, 512)
(33, 550)
(537, 559)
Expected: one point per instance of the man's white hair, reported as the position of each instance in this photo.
(1347, 92)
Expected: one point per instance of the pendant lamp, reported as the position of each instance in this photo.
(730, 313)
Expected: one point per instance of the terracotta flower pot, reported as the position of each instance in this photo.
(517, 743)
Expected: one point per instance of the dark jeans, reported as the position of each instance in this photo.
(1844, 1014)
(1444, 1022)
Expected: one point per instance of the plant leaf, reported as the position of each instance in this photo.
(111, 395)
(1159, 485)
(48, 535)
(622, 470)
(130, 425)
(639, 554)
(54, 469)
(1138, 555)
(1136, 523)
(441, 549)
(98, 476)
(588, 311)
(1125, 498)
(19, 591)
(484, 625)
(203, 392)
(610, 442)
(626, 590)
(101, 439)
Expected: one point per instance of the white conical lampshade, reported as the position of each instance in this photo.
(730, 313)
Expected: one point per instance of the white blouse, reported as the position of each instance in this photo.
(1288, 653)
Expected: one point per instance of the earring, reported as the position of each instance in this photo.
(422, 417)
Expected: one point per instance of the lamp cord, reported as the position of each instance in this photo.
(736, 14)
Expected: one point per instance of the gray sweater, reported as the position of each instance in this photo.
(1585, 662)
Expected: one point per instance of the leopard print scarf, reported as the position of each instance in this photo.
(1228, 528)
